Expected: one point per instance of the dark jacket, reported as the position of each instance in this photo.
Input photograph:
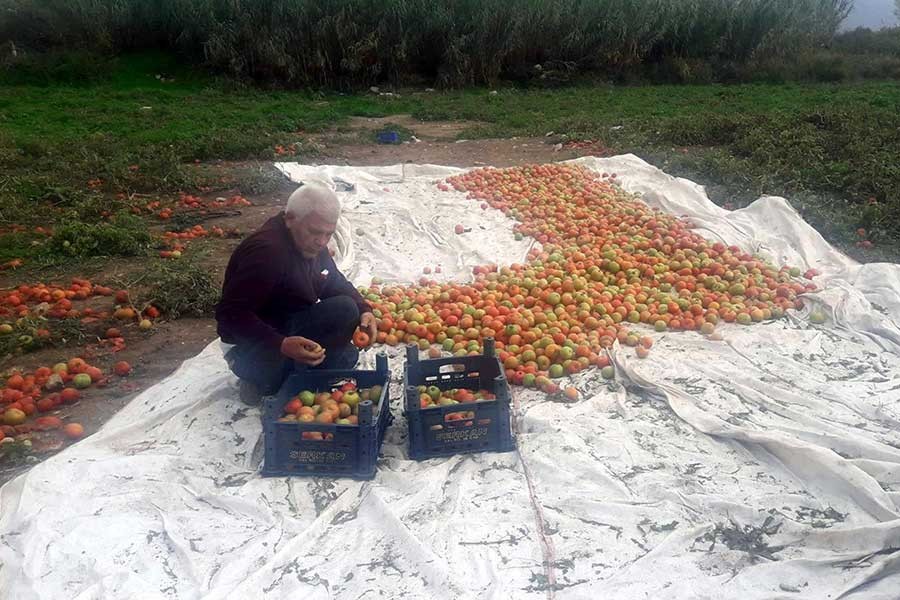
(267, 280)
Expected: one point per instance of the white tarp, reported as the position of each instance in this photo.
(765, 466)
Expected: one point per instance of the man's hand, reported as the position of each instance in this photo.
(303, 350)
(369, 324)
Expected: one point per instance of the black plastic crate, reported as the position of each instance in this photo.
(353, 450)
(431, 432)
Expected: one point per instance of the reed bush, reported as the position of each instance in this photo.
(452, 42)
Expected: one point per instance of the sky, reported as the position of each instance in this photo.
(871, 13)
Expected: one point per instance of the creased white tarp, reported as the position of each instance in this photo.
(765, 466)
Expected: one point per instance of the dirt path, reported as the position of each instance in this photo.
(436, 142)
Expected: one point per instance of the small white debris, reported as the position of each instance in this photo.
(54, 383)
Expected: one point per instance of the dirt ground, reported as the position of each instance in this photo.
(438, 143)
(158, 353)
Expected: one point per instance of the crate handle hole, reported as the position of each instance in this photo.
(457, 417)
(453, 368)
(338, 383)
(316, 436)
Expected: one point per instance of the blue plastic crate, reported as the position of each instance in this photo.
(388, 137)
(352, 452)
(430, 432)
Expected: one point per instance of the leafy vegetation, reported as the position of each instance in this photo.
(35, 332)
(182, 288)
(359, 42)
(124, 235)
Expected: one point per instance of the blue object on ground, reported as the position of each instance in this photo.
(388, 137)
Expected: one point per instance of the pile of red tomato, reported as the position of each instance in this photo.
(609, 265)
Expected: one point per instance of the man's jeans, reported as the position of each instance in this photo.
(330, 322)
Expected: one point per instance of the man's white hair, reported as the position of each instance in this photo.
(314, 198)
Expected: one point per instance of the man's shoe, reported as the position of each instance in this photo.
(249, 393)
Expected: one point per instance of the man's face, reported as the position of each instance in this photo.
(311, 234)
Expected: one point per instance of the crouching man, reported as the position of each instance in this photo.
(284, 303)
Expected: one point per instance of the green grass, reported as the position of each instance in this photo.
(835, 145)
